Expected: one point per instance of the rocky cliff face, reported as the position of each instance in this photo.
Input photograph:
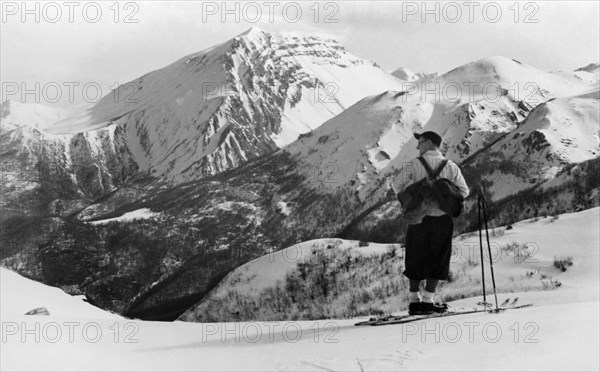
(216, 109)
(45, 173)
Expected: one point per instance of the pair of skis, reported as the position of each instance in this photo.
(407, 318)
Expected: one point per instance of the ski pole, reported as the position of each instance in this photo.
(487, 236)
(481, 248)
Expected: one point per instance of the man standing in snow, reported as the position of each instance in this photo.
(429, 243)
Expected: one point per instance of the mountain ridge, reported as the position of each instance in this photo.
(232, 194)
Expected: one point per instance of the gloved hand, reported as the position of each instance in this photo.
(390, 193)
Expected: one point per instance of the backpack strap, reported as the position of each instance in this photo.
(433, 175)
(440, 168)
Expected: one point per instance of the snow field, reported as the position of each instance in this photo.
(559, 332)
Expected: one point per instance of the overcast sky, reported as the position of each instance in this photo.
(106, 44)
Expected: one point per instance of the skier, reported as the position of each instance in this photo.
(428, 243)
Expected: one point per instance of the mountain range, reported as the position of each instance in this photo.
(264, 141)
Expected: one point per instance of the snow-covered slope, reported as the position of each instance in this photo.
(546, 336)
(538, 246)
(265, 271)
(494, 94)
(20, 295)
(566, 127)
(558, 132)
(360, 141)
(522, 82)
(129, 216)
(471, 106)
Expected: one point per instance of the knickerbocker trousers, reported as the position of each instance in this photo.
(428, 248)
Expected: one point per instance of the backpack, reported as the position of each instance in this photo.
(416, 198)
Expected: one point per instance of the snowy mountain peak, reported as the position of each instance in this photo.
(252, 32)
(488, 68)
(504, 76)
(218, 108)
(373, 139)
(589, 73)
(404, 73)
(408, 75)
(253, 36)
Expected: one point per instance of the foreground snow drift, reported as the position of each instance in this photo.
(559, 332)
(545, 337)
